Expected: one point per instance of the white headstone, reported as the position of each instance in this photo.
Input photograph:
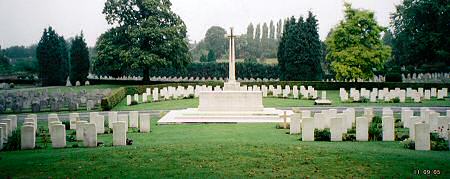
(1, 138)
(294, 127)
(422, 136)
(89, 135)
(306, 113)
(134, 115)
(144, 119)
(58, 136)
(13, 121)
(144, 97)
(119, 134)
(388, 128)
(27, 137)
(4, 133)
(307, 129)
(112, 118)
(128, 100)
(9, 126)
(412, 123)
(100, 124)
(73, 118)
(80, 130)
(124, 118)
(406, 115)
(362, 129)
(368, 112)
(336, 129)
(93, 116)
(136, 98)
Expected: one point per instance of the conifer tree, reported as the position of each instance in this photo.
(52, 56)
(79, 60)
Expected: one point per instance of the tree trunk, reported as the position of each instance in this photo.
(146, 73)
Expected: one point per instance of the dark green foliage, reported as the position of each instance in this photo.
(133, 102)
(211, 56)
(79, 60)
(52, 56)
(13, 142)
(66, 124)
(5, 66)
(396, 100)
(364, 99)
(71, 137)
(393, 77)
(349, 137)
(45, 136)
(112, 100)
(322, 135)
(203, 58)
(438, 143)
(129, 141)
(421, 31)
(146, 34)
(300, 50)
(216, 41)
(354, 47)
(243, 70)
(409, 144)
(375, 129)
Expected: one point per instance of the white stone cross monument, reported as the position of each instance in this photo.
(228, 105)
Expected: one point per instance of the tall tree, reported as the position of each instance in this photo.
(216, 41)
(271, 30)
(52, 55)
(152, 36)
(250, 32)
(258, 33)
(300, 50)
(264, 39)
(265, 32)
(5, 66)
(79, 60)
(279, 29)
(355, 47)
(283, 52)
(211, 56)
(421, 31)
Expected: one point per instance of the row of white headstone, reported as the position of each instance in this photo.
(420, 127)
(387, 95)
(86, 131)
(7, 126)
(170, 92)
(178, 79)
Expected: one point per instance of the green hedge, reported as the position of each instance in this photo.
(112, 100)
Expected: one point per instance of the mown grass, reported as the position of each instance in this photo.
(280, 103)
(223, 150)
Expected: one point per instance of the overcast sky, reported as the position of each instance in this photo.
(22, 21)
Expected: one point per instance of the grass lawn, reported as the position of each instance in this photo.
(223, 150)
(279, 103)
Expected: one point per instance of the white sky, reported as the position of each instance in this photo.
(22, 21)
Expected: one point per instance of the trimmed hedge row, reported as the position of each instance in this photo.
(117, 95)
(112, 100)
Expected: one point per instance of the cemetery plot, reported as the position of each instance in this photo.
(45, 100)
